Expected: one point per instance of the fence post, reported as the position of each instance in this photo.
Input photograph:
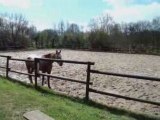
(36, 71)
(88, 80)
(7, 65)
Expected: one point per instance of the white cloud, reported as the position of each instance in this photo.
(41, 24)
(23, 4)
(16, 3)
(126, 11)
(118, 3)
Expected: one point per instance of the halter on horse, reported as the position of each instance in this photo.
(44, 66)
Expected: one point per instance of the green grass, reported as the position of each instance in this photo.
(16, 99)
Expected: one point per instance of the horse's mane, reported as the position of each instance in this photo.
(50, 55)
(32, 56)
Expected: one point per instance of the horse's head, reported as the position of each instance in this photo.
(59, 56)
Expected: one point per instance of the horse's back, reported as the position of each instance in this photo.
(44, 66)
(33, 56)
(30, 64)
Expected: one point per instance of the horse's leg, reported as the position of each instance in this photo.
(48, 78)
(29, 76)
(42, 80)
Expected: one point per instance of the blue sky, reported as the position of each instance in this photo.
(44, 13)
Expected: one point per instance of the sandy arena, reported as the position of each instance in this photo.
(146, 65)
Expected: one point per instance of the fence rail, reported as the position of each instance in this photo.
(64, 78)
(37, 74)
(66, 61)
(2, 67)
(21, 72)
(123, 97)
(126, 75)
(25, 60)
(87, 82)
(37, 60)
(3, 56)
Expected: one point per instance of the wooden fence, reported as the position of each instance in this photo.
(128, 76)
(87, 82)
(36, 73)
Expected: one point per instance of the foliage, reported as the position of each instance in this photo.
(14, 32)
(102, 34)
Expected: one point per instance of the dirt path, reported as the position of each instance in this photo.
(147, 65)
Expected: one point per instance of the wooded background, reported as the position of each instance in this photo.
(103, 34)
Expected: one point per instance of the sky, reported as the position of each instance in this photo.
(45, 13)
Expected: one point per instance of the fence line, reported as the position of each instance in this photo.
(3, 67)
(36, 73)
(21, 72)
(126, 75)
(63, 78)
(3, 56)
(124, 97)
(37, 60)
(121, 96)
(7, 66)
(87, 82)
(66, 61)
(25, 60)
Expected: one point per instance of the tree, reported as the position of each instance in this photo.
(106, 22)
(15, 31)
(72, 36)
(18, 27)
(99, 40)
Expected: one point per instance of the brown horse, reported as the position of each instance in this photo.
(44, 66)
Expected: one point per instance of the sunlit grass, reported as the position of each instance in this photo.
(16, 99)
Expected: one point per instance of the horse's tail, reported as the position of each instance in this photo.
(28, 63)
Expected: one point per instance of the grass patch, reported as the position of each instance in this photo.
(16, 99)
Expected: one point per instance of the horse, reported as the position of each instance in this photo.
(44, 66)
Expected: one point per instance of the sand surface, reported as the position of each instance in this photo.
(146, 65)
